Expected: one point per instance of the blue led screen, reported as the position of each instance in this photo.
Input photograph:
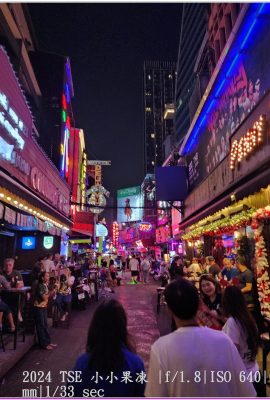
(241, 84)
(28, 242)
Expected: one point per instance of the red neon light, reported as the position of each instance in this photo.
(68, 123)
(64, 102)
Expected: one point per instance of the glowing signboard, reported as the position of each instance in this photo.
(28, 243)
(145, 227)
(48, 242)
(247, 144)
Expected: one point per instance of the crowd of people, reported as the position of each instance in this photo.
(212, 307)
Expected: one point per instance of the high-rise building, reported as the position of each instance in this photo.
(192, 34)
(54, 76)
(159, 89)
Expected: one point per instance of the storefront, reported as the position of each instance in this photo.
(34, 208)
(228, 155)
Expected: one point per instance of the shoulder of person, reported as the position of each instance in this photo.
(82, 361)
(133, 358)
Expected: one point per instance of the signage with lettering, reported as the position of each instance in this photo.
(101, 230)
(19, 152)
(145, 227)
(248, 143)
(28, 243)
(98, 162)
(48, 242)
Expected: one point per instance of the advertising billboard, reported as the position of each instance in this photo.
(129, 204)
(234, 100)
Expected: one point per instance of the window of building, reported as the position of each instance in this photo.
(152, 135)
(149, 77)
(148, 109)
(153, 162)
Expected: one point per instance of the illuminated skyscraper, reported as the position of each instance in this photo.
(159, 88)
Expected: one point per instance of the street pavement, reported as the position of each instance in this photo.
(140, 304)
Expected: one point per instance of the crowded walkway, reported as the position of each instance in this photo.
(139, 302)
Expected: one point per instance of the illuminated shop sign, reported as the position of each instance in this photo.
(101, 230)
(48, 242)
(10, 121)
(247, 144)
(145, 227)
(44, 186)
(28, 243)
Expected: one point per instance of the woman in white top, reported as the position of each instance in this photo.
(242, 330)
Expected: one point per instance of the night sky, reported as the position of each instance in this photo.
(107, 45)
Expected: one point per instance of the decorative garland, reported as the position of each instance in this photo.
(221, 226)
(262, 213)
(262, 272)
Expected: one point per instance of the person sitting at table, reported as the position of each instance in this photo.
(228, 271)
(63, 297)
(12, 275)
(211, 300)
(40, 311)
(195, 268)
(4, 308)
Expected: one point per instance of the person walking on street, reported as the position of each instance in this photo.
(134, 268)
(145, 266)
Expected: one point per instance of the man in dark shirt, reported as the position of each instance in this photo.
(12, 276)
(245, 278)
(213, 267)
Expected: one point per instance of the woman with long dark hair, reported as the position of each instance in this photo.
(211, 293)
(109, 357)
(242, 330)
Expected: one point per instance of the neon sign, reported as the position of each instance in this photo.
(48, 242)
(8, 118)
(248, 143)
(145, 227)
(115, 234)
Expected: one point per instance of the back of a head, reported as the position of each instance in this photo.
(107, 335)
(182, 299)
(233, 302)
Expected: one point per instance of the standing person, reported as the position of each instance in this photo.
(40, 312)
(245, 278)
(134, 268)
(12, 275)
(112, 271)
(193, 351)
(213, 267)
(109, 354)
(49, 265)
(145, 266)
(242, 329)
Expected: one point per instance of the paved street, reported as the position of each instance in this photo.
(139, 302)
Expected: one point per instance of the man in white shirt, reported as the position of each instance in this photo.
(194, 361)
(48, 264)
(134, 268)
(145, 266)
